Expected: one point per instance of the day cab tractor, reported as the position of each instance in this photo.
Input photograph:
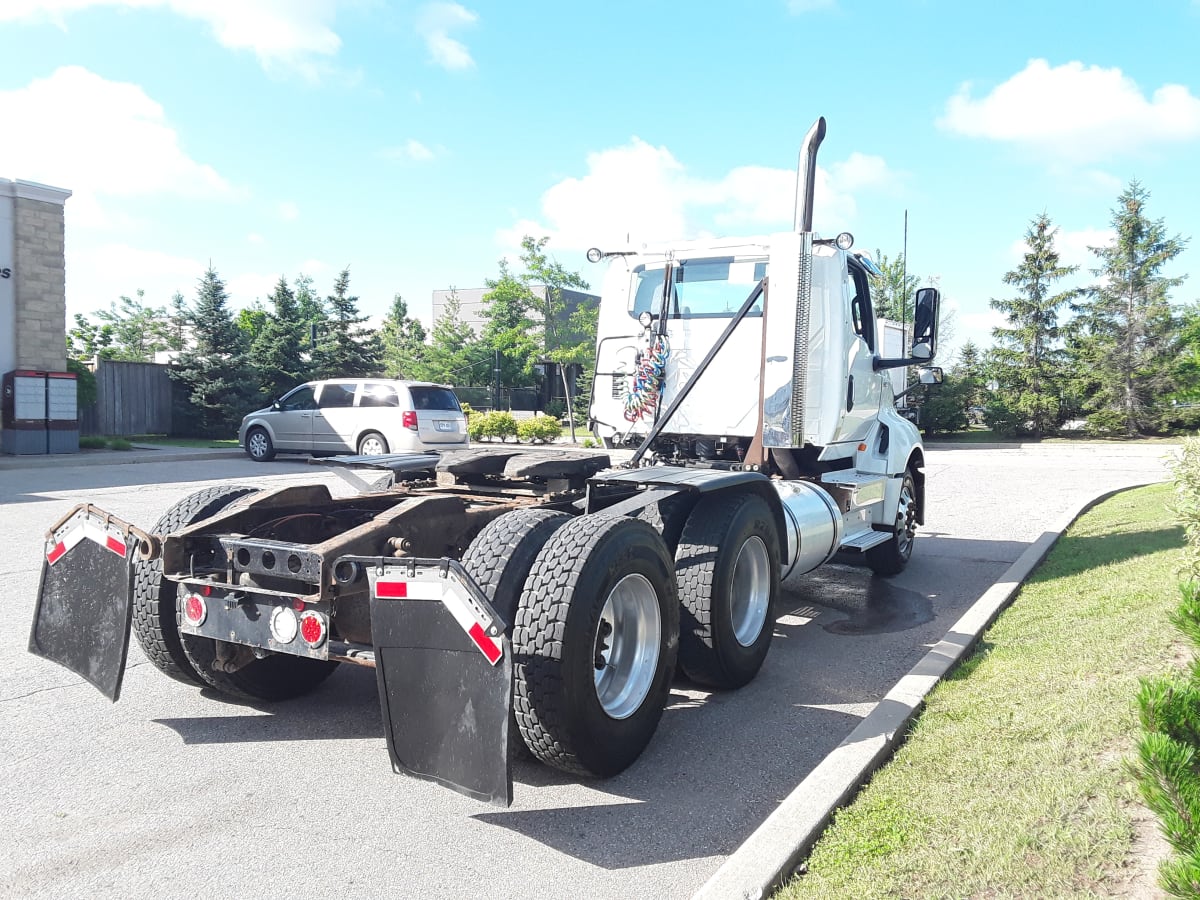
(513, 600)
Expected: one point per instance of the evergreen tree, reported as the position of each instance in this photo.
(893, 291)
(177, 318)
(1027, 364)
(214, 375)
(1123, 339)
(345, 348)
(277, 354)
(454, 355)
(310, 310)
(403, 339)
(510, 331)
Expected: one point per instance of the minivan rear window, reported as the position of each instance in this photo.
(379, 395)
(434, 398)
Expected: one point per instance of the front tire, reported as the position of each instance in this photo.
(727, 567)
(890, 557)
(259, 446)
(595, 642)
(154, 600)
(372, 444)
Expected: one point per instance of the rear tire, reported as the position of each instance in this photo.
(259, 446)
(372, 444)
(499, 559)
(601, 590)
(892, 556)
(727, 568)
(154, 600)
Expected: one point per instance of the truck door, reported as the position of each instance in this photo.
(863, 389)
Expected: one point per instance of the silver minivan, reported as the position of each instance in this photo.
(368, 416)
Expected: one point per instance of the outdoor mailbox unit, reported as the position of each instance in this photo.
(39, 413)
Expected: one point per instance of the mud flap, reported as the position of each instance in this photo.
(444, 669)
(85, 598)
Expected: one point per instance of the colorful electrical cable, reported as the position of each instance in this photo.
(642, 398)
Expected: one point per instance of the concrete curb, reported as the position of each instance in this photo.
(770, 855)
(112, 458)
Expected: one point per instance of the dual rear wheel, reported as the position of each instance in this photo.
(601, 611)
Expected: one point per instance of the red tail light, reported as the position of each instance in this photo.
(312, 628)
(195, 610)
(409, 420)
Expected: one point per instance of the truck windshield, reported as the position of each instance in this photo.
(700, 288)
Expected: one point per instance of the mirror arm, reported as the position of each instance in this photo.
(879, 362)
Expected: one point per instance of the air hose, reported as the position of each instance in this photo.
(642, 399)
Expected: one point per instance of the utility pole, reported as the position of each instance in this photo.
(496, 382)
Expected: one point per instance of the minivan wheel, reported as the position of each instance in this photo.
(372, 444)
(258, 445)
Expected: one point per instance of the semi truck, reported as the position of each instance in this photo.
(539, 602)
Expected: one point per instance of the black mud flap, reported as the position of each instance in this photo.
(444, 668)
(85, 599)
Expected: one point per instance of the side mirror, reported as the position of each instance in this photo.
(925, 323)
(931, 375)
(275, 406)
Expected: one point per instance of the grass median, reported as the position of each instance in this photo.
(1013, 781)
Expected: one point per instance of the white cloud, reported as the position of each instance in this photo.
(98, 138)
(287, 32)
(254, 238)
(289, 211)
(97, 275)
(645, 193)
(1075, 112)
(412, 150)
(243, 289)
(1074, 247)
(435, 21)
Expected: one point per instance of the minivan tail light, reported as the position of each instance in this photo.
(409, 420)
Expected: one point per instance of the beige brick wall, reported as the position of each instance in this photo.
(39, 267)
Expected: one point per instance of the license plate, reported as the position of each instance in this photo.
(445, 426)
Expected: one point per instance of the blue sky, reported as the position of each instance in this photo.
(417, 142)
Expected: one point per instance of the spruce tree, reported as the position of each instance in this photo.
(1123, 339)
(1027, 363)
(214, 375)
(893, 290)
(345, 349)
(455, 355)
(510, 331)
(403, 339)
(277, 354)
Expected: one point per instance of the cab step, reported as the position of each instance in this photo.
(864, 540)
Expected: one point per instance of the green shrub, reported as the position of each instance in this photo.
(501, 425)
(1167, 765)
(555, 409)
(120, 444)
(589, 443)
(476, 425)
(467, 410)
(539, 428)
(92, 442)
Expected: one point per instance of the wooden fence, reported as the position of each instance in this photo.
(131, 398)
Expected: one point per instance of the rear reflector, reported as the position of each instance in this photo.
(195, 610)
(312, 628)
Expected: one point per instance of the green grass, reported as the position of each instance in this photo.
(987, 436)
(203, 443)
(1013, 781)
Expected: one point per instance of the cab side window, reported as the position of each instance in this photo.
(336, 395)
(860, 306)
(298, 400)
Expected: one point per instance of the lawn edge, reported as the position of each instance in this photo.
(772, 852)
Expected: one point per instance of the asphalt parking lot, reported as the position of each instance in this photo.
(175, 791)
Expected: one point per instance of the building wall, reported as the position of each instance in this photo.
(33, 299)
(472, 308)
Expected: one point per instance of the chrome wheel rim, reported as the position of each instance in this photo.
(258, 444)
(750, 591)
(625, 646)
(906, 519)
(372, 447)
